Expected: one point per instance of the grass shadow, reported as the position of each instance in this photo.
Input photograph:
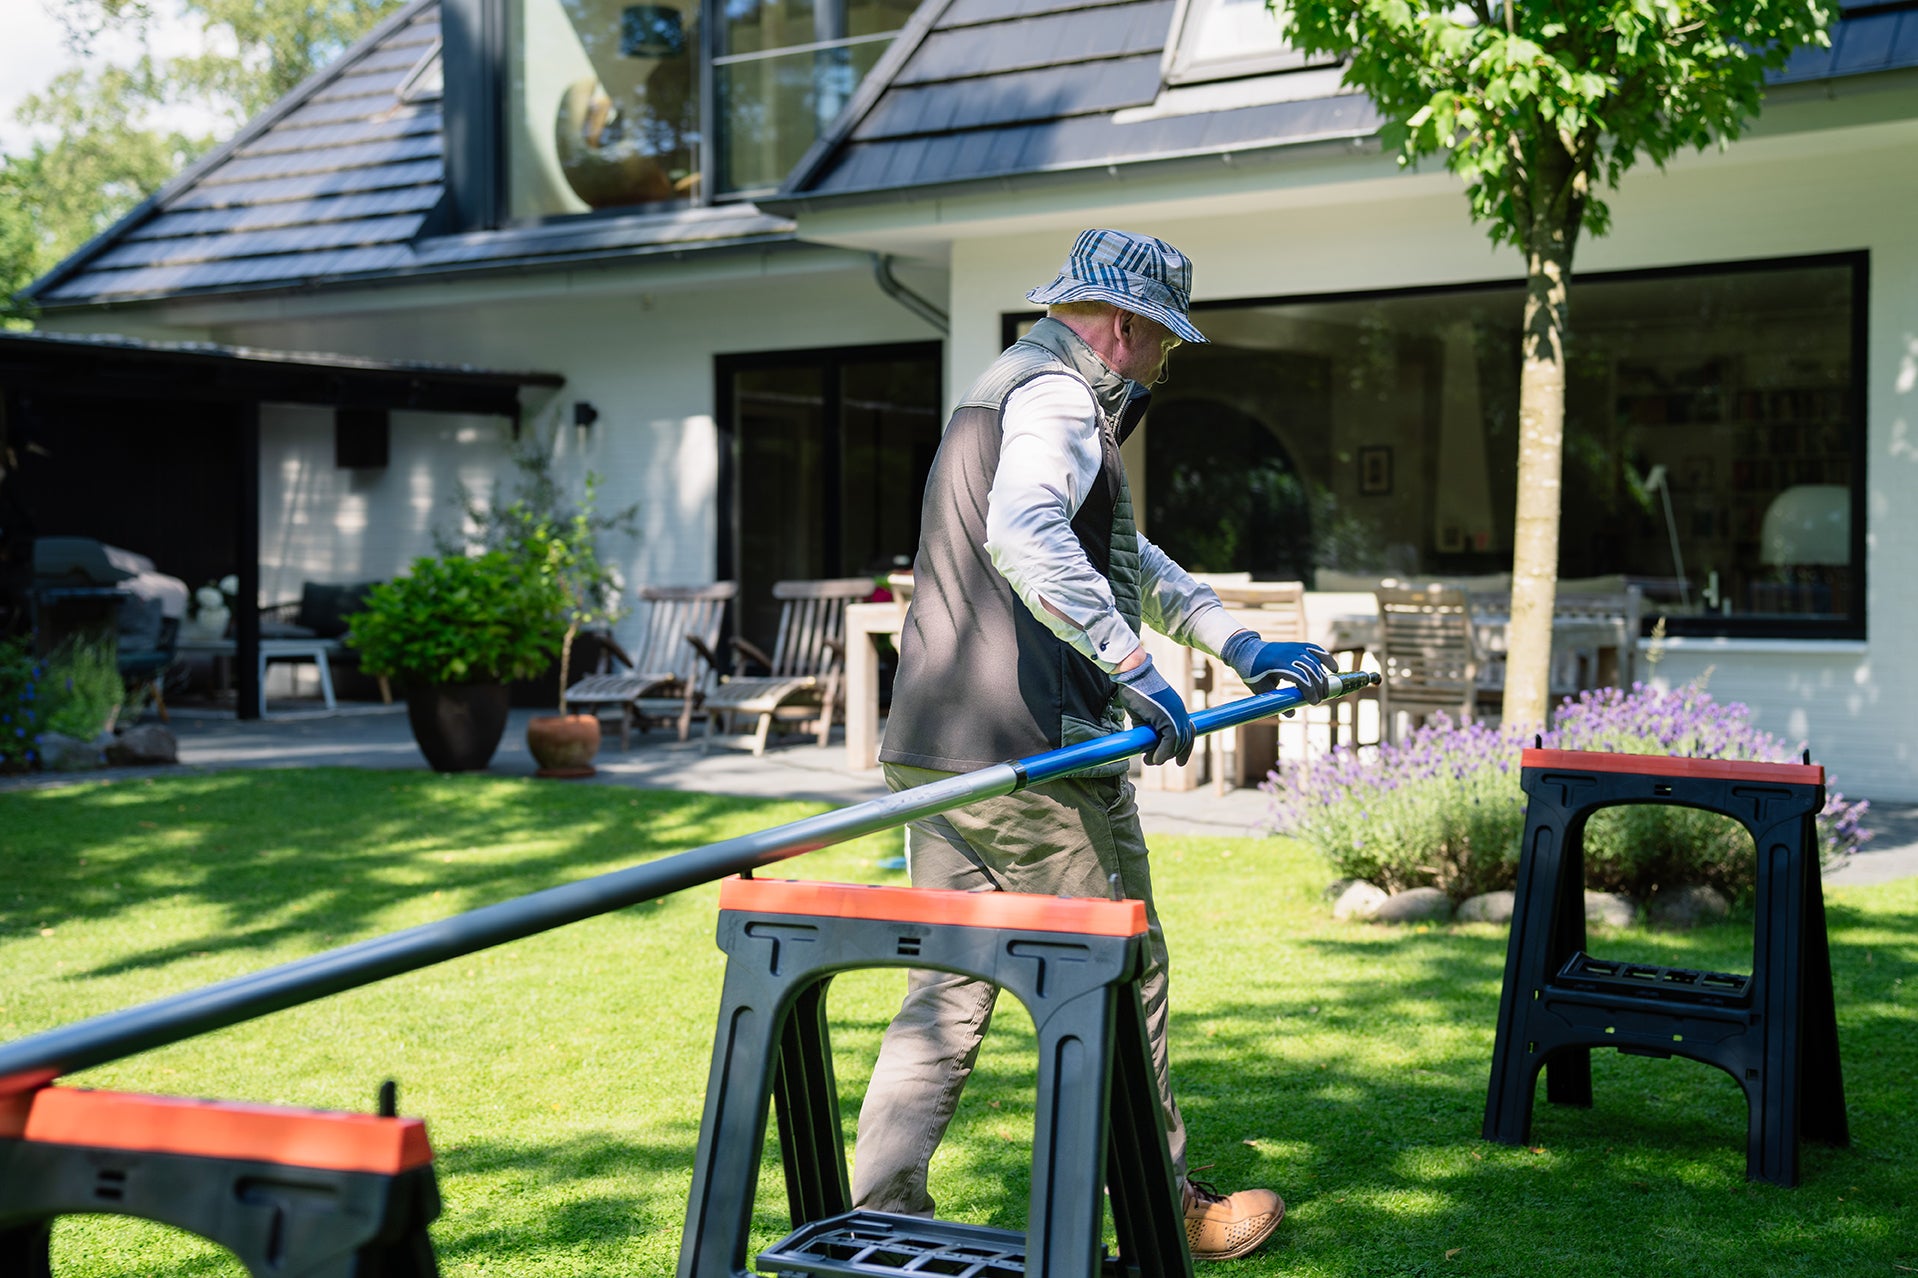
(310, 858)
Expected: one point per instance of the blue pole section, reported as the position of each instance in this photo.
(36, 1060)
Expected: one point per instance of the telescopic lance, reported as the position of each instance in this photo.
(37, 1060)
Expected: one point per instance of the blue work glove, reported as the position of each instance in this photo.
(1152, 703)
(1264, 665)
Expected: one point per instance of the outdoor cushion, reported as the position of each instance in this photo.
(324, 607)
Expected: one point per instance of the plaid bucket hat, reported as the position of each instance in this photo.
(1135, 273)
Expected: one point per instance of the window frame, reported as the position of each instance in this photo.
(1852, 626)
(726, 437)
(1182, 66)
(476, 41)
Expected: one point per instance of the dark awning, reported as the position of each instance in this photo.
(105, 366)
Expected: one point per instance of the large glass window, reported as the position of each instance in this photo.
(602, 105)
(1713, 444)
(786, 68)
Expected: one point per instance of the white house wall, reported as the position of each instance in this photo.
(1783, 196)
(643, 358)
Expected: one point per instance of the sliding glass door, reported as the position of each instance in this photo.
(828, 453)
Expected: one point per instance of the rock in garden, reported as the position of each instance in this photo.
(62, 753)
(1610, 908)
(144, 743)
(1489, 907)
(1688, 906)
(1416, 905)
(1358, 901)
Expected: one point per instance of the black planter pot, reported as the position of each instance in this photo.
(458, 725)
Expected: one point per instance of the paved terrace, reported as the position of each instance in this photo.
(374, 736)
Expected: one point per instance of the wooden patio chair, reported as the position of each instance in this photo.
(1428, 654)
(1594, 641)
(1601, 629)
(804, 680)
(669, 670)
(1276, 610)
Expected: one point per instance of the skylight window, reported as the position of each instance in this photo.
(1229, 39)
(425, 82)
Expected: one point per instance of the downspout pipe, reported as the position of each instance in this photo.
(889, 285)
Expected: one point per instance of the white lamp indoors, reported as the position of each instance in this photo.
(1809, 524)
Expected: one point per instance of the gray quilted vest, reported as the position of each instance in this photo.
(981, 680)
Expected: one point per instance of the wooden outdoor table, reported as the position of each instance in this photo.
(865, 624)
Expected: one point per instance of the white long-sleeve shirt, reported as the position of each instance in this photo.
(1049, 458)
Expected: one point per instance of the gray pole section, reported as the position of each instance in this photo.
(36, 1060)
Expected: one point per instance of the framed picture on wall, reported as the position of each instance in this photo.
(1375, 471)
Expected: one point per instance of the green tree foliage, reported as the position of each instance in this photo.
(102, 145)
(1539, 107)
(101, 161)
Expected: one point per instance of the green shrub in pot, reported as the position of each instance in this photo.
(452, 632)
(457, 619)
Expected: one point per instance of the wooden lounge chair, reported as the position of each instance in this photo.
(669, 671)
(804, 683)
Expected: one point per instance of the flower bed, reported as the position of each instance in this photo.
(1443, 808)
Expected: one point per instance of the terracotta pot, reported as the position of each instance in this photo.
(563, 744)
(457, 725)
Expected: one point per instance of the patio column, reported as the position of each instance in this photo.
(250, 695)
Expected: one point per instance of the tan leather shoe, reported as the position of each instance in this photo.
(1227, 1226)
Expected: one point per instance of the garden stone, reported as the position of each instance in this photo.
(1359, 900)
(1689, 906)
(1610, 909)
(62, 753)
(1489, 907)
(1417, 905)
(144, 743)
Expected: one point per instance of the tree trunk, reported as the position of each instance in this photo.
(1541, 456)
(565, 661)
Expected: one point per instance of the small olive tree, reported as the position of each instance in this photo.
(1539, 107)
(550, 534)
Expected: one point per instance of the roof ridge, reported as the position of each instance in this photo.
(292, 100)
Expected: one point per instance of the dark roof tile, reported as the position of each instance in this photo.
(966, 12)
(325, 209)
(403, 122)
(1037, 94)
(237, 244)
(1049, 41)
(213, 195)
(329, 159)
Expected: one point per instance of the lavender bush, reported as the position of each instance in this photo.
(1443, 808)
(21, 706)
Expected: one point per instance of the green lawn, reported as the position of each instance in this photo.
(1344, 1065)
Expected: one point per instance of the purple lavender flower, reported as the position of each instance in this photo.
(1443, 806)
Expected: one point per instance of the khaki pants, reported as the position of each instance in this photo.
(1063, 838)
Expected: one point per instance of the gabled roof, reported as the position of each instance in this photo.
(340, 182)
(981, 90)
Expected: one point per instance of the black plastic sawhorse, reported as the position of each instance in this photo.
(293, 1193)
(1775, 1031)
(1074, 963)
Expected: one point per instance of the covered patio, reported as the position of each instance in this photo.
(155, 447)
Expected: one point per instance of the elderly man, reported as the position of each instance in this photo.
(1030, 587)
